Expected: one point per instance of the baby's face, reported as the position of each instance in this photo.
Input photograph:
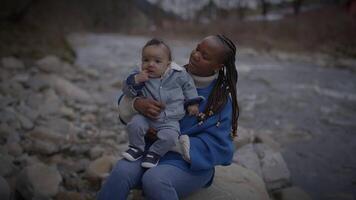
(155, 60)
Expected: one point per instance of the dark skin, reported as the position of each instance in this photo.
(204, 61)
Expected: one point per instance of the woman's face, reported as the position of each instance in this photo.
(207, 57)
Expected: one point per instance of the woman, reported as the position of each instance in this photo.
(212, 66)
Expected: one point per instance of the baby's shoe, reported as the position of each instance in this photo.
(132, 154)
(150, 160)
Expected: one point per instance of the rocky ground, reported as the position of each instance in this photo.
(60, 133)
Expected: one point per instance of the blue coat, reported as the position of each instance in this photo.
(210, 142)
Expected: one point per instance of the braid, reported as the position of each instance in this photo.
(225, 86)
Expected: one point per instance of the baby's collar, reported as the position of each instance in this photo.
(176, 67)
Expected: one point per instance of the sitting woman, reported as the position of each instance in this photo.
(207, 138)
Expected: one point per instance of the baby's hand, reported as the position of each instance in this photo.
(141, 77)
(193, 109)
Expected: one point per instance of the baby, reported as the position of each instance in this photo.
(160, 79)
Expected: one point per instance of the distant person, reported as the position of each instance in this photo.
(162, 80)
(208, 138)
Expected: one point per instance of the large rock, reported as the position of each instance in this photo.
(38, 181)
(233, 182)
(44, 141)
(244, 136)
(49, 64)
(275, 171)
(69, 90)
(247, 157)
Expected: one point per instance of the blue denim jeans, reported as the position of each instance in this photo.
(160, 182)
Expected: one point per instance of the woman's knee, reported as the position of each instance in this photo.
(123, 171)
(153, 180)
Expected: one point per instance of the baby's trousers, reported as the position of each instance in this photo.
(165, 182)
(167, 133)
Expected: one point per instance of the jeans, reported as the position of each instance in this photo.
(160, 182)
(168, 133)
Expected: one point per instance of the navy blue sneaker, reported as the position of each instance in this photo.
(150, 160)
(132, 154)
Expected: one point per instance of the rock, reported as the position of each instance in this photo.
(27, 111)
(68, 90)
(247, 157)
(50, 103)
(101, 167)
(13, 89)
(5, 131)
(21, 78)
(244, 136)
(44, 141)
(92, 73)
(14, 149)
(67, 112)
(12, 63)
(39, 82)
(275, 171)
(25, 122)
(38, 181)
(49, 64)
(5, 192)
(268, 140)
(96, 152)
(233, 182)
(7, 168)
(69, 165)
(291, 193)
(58, 125)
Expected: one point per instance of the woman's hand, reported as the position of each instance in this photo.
(148, 107)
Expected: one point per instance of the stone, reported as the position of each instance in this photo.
(44, 141)
(69, 90)
(96, 152)
(49, 64)
(14, 149)
(275, 171)
(291, 193)
(25, 122)
(244, 136)
(38, 181)
(27, 111)
(67, 112)
(12, 63)
(38, 82)
(50, 103)
(7, 168)
(5, 191)
(101, 167)
(233, 182)
(268, 140)
(5, 131)
(247, 157)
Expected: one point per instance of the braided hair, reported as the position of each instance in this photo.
(225, 86)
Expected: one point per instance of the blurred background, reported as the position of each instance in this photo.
(326, 26)
(62, 64)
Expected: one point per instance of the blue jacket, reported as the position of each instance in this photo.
(210, 142)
